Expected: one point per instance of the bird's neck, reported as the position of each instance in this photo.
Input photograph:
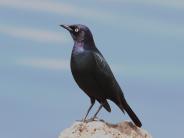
(80, 47)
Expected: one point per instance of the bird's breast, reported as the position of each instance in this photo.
(82, 63)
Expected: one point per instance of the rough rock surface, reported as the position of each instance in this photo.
(101, 129)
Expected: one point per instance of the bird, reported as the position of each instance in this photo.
(93, 75)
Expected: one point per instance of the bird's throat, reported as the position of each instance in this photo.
(78, 48)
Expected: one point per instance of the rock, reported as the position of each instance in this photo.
(101, 129)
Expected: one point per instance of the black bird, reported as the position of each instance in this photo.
(92, 73)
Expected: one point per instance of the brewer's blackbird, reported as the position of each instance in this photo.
(92, 73)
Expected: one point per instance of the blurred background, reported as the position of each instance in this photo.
(143, 41)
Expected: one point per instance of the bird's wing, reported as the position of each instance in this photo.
(104, 76)
(102, 68)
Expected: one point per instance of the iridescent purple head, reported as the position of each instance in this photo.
(79, 33)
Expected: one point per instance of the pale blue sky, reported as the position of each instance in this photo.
(141, 40)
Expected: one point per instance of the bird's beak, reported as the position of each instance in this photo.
(67, 27)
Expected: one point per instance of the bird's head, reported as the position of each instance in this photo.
(79, 32)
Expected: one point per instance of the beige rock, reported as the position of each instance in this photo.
(101, 129)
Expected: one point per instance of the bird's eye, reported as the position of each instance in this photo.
(76, 30)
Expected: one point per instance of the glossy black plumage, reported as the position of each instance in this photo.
(93, 74)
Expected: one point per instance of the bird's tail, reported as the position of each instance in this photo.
(131, 113)
(123, 105)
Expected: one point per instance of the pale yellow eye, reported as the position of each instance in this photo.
(76, 30)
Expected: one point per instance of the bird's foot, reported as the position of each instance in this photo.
(83, 120)
(87, 120)
(90, 120)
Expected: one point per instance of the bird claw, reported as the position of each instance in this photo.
(80, 120)
(92, 119)
(83, 120)
(89, 120)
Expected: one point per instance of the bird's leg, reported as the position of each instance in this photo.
(92, 103)
(97, 111)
